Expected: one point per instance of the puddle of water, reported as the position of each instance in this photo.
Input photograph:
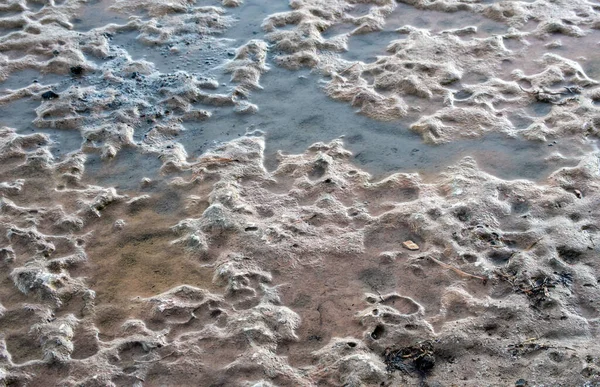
(202, 53)
(95, 14)
(437, 21)
(34, 5)
(520, 119)
(124, 172)
(366, 47)
(8, 29)
(250, 17)
(583, 50)
(539, 109)
(294, 121)
(511, 158)
(23, 78)
(19, 114)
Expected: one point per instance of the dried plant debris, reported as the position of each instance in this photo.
(418, 358)
(536, 288)
(526, 347)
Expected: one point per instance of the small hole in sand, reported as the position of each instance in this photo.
(470, 258)
(463, 214)
(568, 255)
(378, 332)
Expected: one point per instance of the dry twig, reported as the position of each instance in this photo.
(458, 271)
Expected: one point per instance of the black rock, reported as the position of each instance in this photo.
(50, 95)
(425, 363)
(77, 70)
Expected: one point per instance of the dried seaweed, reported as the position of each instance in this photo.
(537, 288)
(418, 358)
(526, 347)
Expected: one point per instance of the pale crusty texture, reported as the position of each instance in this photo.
(432, 65)
(126, 92)
(318, 223)
(222, 273)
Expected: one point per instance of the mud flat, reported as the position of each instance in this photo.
(310, 193)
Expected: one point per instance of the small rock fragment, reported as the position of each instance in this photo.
(410, 245)
(7, 254)
(76, 70)
(119, 224)
(146, 182)
(49, 95)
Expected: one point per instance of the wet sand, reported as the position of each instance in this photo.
(310, 193)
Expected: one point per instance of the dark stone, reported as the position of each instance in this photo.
(50, 95)
(77, 70)
(425, 363)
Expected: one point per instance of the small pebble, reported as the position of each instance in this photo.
(119, 224)
(410, 245)
(49, 95)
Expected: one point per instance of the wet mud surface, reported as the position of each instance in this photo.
(302, 193)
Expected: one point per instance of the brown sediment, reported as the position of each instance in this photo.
(139, 260)
(320, 235)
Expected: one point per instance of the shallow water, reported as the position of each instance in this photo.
(436, 21)
(366, 47)
(124, 172)
(26, 77)
(294, 112)
(293, 121)
(202, 58)
(580, 49)
(97, 13)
